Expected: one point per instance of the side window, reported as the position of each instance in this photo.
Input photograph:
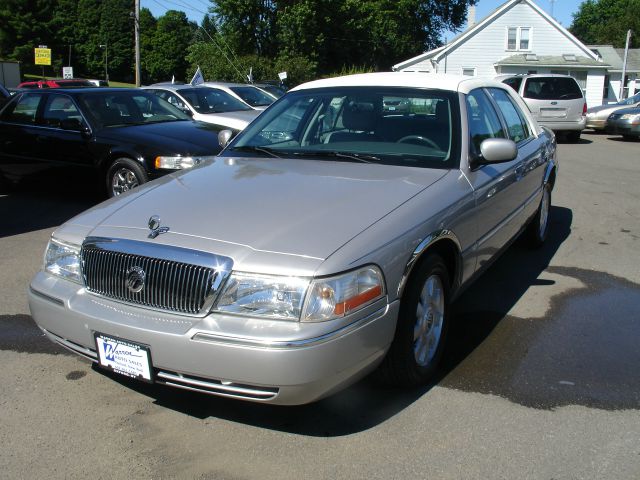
(24, 110)
(57, 108)
(513, 83)
(516, 124)
(483, 120)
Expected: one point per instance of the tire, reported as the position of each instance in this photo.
(417, 347)
(123, 175)
(573, 137)
(538, 229)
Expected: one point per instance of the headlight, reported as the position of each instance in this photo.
(63, 259)
(283, 298)
(338, 296)
(634, 117)
(263, 296)
(179, 163)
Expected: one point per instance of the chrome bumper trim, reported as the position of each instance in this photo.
(44, 296)
(217, 387)
(73, 347)
(286, 344)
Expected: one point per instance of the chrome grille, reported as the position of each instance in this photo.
(186, 287)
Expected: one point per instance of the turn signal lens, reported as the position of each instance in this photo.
(335, 297)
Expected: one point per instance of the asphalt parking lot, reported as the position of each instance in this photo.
(540, 379)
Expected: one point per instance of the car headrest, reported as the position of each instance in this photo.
(361, 114)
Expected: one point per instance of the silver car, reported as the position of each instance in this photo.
(328, 239)
(625, 122)
(597, 116)
(207, 104)
(252, 96)
(555, 101)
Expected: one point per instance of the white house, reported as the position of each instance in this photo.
(518, 37)
(612, 82)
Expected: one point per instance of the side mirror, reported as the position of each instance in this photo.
(497, 150)
(224, 137)
(75, 125)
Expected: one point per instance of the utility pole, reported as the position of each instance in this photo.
(136, 20)
(106, 60)
(624, 65)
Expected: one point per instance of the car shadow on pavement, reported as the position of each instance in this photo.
(29, 209)
(367, 404)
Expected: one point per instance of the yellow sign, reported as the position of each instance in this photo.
(43, 56)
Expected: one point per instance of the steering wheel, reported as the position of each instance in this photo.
(420, 139)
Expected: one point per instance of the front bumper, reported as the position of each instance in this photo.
(596, 123)
(623, 128)
(193, 353)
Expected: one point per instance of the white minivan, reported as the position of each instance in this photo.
(556, 101)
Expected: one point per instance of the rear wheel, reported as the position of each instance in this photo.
(123, 175)
(421, 329)
(538, 229)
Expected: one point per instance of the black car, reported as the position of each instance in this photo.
(124, 136)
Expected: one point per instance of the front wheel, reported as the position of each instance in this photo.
(123, 175)
(422, 326)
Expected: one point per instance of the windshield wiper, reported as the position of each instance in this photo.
(252, 148)
(359, 157)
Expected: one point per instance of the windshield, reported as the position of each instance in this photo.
(400, 126)
(631, 100)
(253, 96)
(129, 107)
(212, 100)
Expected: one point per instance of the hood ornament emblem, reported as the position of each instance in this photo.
(154, 226)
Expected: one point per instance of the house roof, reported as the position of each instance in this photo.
(633, 59)
(437, 53)
(566, 61)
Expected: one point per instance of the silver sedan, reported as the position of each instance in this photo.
(328, 240)
(597, 116)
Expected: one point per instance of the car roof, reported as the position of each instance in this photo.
(453, 83)
(73, 90)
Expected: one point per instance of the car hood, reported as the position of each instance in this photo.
(183, 137)
(628, 110)
(604, 110)
(237, 120)
(291, 212)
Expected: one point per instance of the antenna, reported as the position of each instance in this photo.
(552, 2)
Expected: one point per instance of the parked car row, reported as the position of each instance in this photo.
(124, 137)
(622, 118)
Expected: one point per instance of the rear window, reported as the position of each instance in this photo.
(552, 88)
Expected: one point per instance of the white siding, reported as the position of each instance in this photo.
(488, 46)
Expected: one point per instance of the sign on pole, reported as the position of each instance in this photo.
(67, 72)
(43, 56)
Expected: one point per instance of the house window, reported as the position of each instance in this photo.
(519, 38)
(524, 38)
(469, 72)
(512, 38)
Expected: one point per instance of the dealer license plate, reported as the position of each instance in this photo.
(124, 357)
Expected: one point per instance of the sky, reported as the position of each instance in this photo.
(195, 9)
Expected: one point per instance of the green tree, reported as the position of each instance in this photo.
(173, 35)
(607, 22)
(147, 33)
(25, 24)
